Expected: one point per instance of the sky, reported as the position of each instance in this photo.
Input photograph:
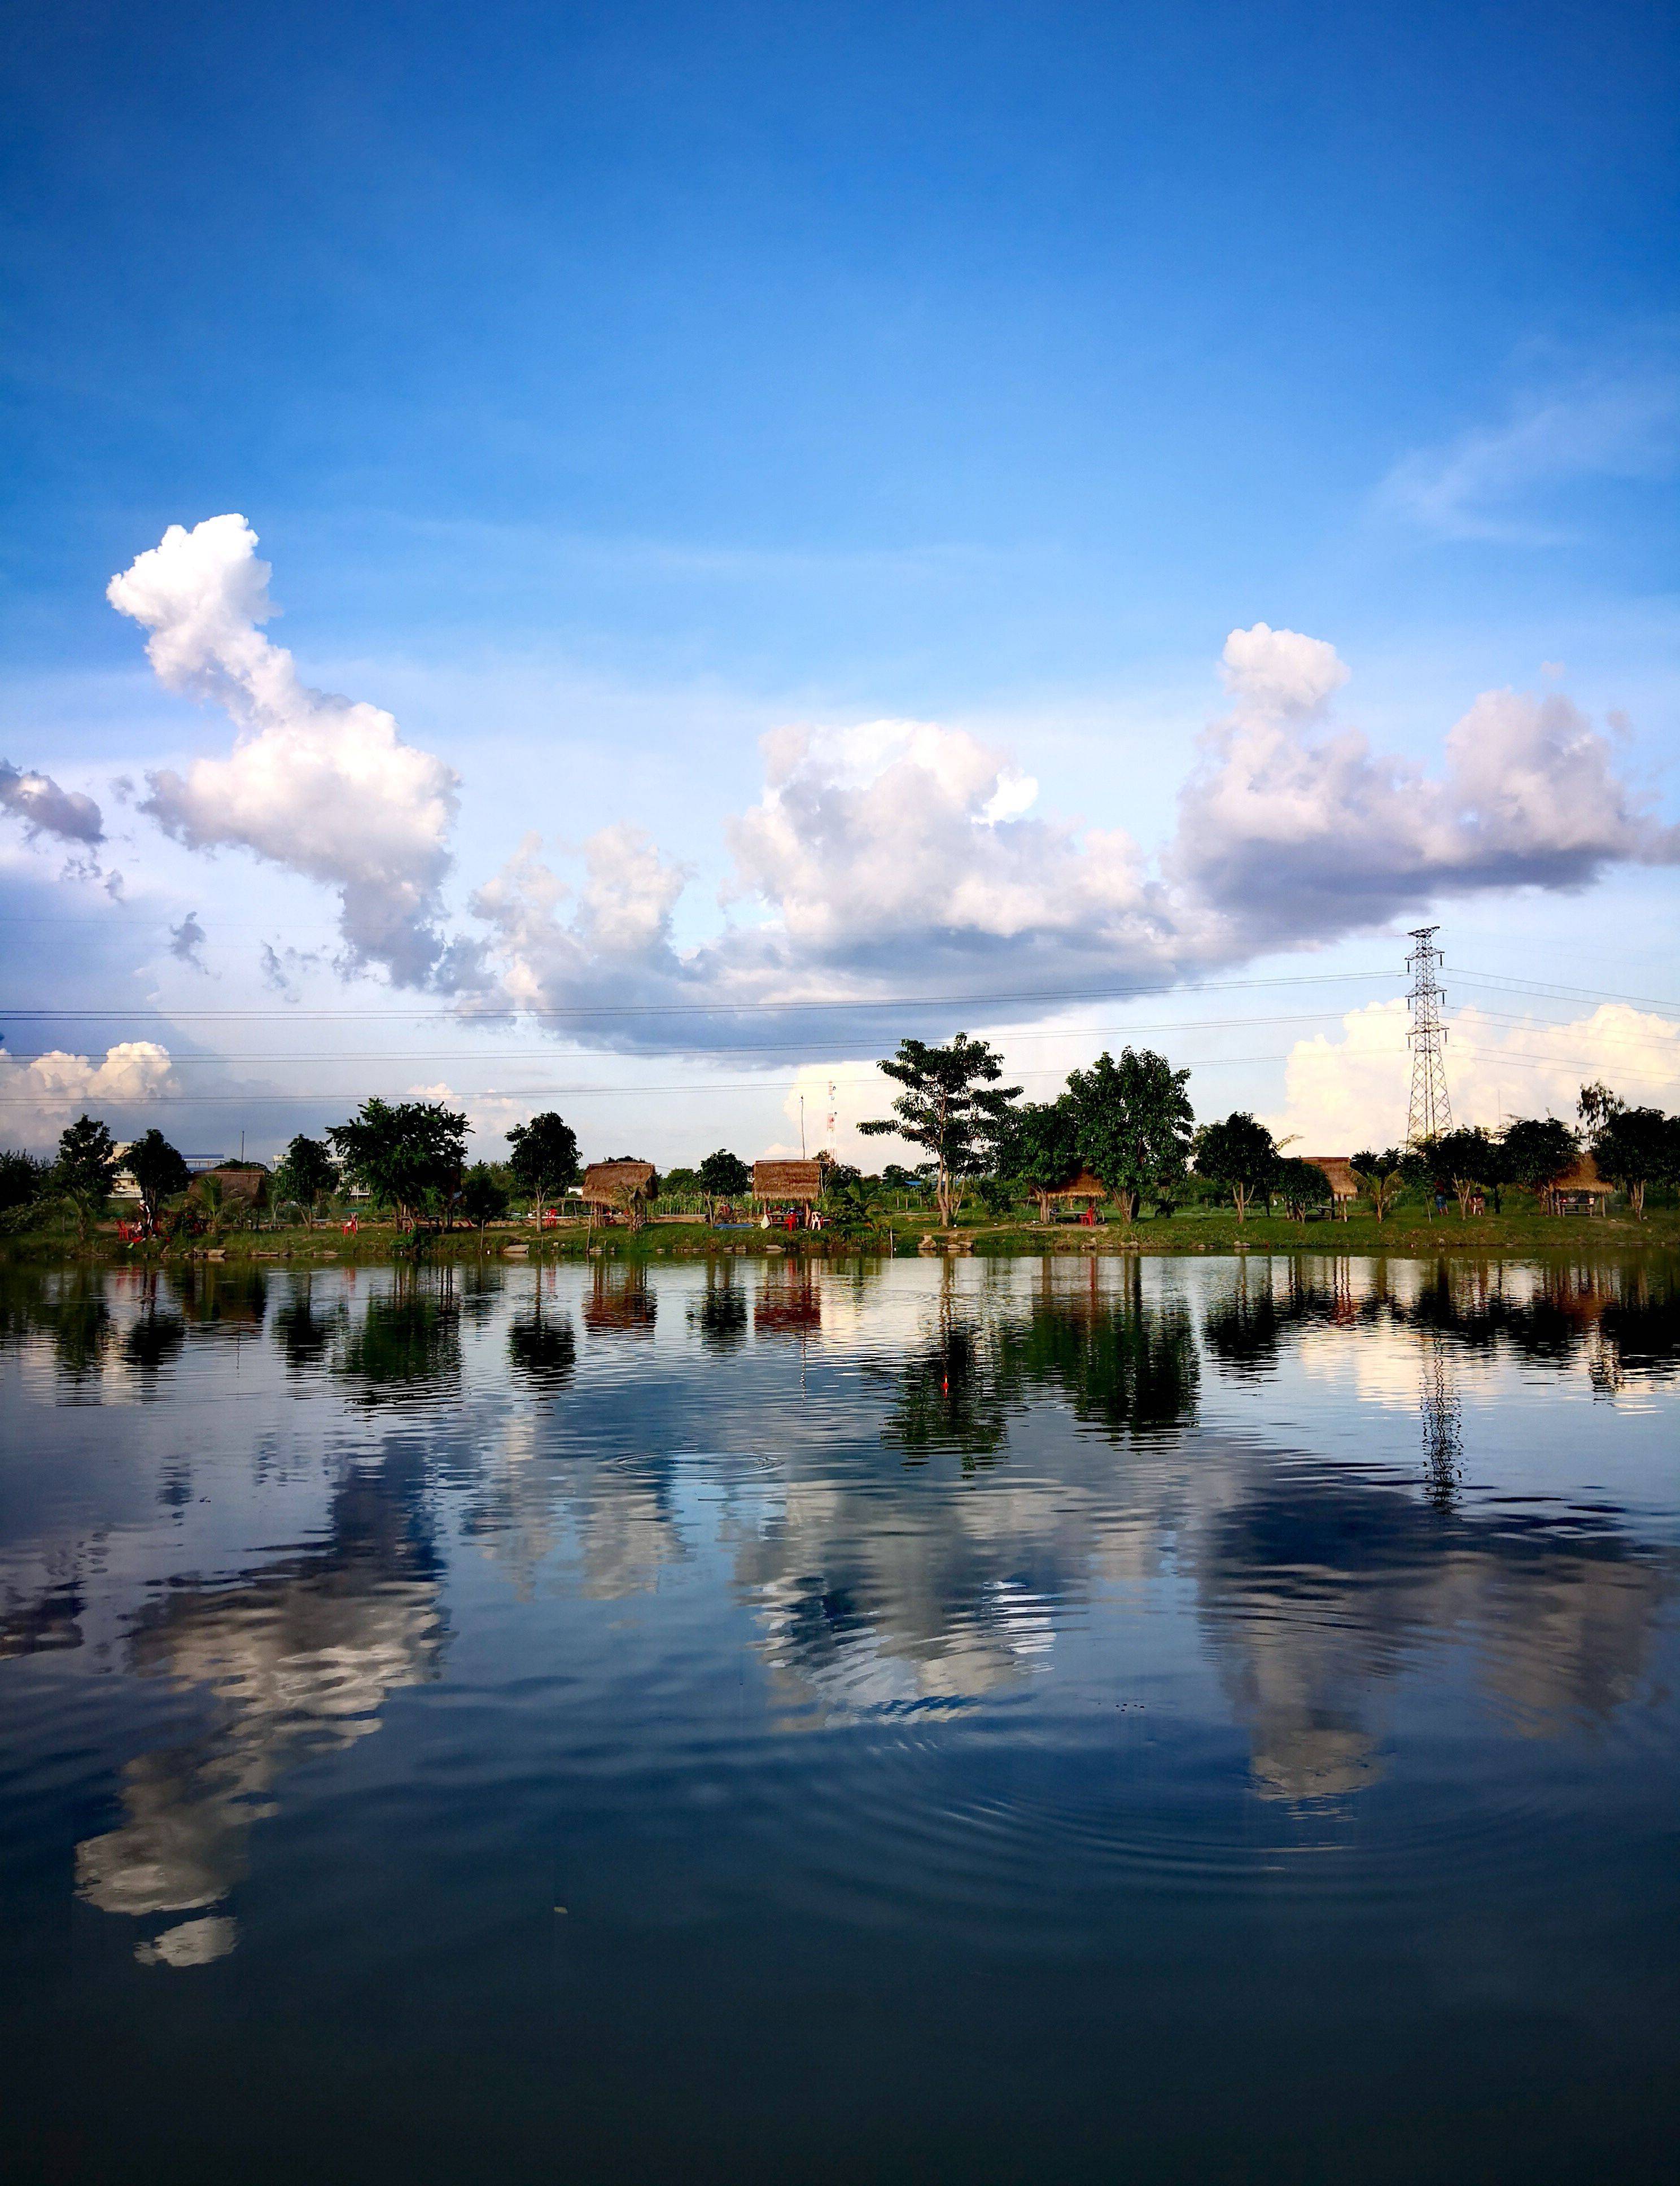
(625, 559)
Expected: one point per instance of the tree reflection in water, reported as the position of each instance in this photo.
(156, 1333)
(304, 1331)
(407, 1344)
(542, 1344)
(720, 1311)
(1120, 1362)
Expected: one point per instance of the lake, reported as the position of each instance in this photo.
(1028, 1719)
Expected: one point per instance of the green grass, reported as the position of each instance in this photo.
(1409, 1231)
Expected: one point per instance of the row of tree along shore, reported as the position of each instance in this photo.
(1122, 1136)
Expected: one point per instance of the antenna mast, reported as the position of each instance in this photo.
(1431, 1112)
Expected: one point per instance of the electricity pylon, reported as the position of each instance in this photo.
(1431, 1112)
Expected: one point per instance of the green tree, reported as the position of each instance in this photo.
(1132, 1122)
(24, 1180)
(1470, 1160)
(724, 1175)
(1637, 1147)
(1239, 1153)
(484, 1196)
(158, 1169)
(1597, 1105)
(544, 1160)
(1538, 1150)
(1039, 1150)
(1300, 1185)
(409, 1154)
(951, 1106)
(84, 1171)
(307, 1173)
(1380, 1177)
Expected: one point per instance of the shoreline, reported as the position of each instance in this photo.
(1404, 1234)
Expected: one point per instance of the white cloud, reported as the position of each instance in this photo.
(322, 785)
(1490, 482)
(888, 855)
(880, 859)
(39, 1097)
(45, 809)
(1279, 671)
(1348, 1090)
(1292, 830)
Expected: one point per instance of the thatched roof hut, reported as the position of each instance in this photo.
(1343, 1183)
(1582, 1184)
(245, 1182)
(788, 1179)
(616, 1183)
(1083, 1187)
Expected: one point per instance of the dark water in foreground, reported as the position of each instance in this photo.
(994, 1721)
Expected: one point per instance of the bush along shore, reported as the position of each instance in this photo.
(1409, 1231)
(1117, 1163)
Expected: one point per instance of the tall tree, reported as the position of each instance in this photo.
(951, 1106)
(24, 1178)
(307, 1173)
(1038, 1149)
(1470, 1160)
(1380, 1176)
(1239, 1153)
(544, 1159)
(1598, 1104)
(1300, 1185)
(407, 1153)
(1538, 1150)
(484, 1196)
(158, 1170)
(1637, 1147)
(724, 1175)
(1132, 1122)
(84, 1171)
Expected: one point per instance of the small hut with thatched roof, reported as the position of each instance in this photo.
(789, 1183)
(237, 1183)
(618, 1187)
(1082, 1191)
(1580, 1190)
(1339, 1170)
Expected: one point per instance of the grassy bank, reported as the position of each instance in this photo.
(1409, 1233)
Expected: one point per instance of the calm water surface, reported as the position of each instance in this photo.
(990, 1721)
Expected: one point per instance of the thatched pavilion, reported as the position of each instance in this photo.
(618, 1187)
(1580, 1190)
(1081, 1191)
(790, 1183)
(1343, 1183)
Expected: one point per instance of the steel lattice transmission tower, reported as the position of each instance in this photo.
(1430, 1113)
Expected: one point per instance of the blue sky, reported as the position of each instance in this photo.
(608, 388)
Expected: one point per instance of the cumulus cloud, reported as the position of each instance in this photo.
(322, 785)
(889, 854)
(1348, 1090)
(898, 856)
(39, 1097)
(45, 809)
(1291, 830)
(881, 859)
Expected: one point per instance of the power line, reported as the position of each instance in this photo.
(457, 1055)
(52, 1097)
